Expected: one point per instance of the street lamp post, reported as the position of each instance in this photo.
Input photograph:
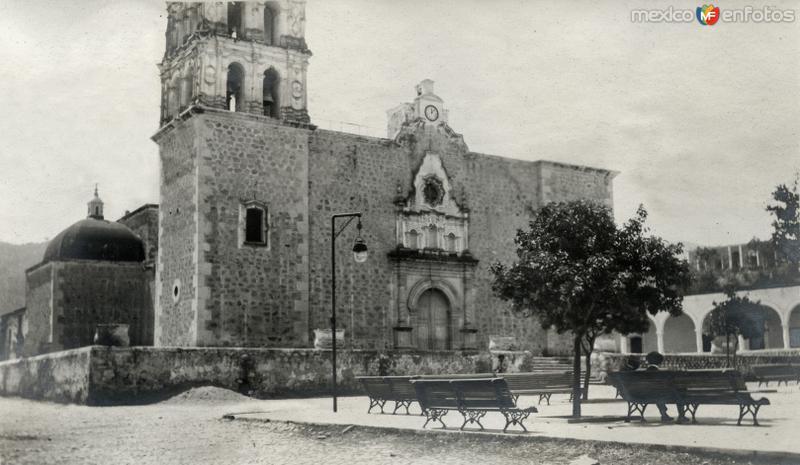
(360, 256)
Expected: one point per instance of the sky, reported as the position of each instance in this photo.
(700, 121)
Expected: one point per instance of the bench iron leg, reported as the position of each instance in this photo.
(546, 397)
(435, 414)
(375, 403)
(472, 416)
(515, 417)
(401, 403)
(635, 407)
(751, 409)
(692, 408)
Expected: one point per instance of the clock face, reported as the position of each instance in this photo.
(431, 113)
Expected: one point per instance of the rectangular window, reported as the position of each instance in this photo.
(254, 226)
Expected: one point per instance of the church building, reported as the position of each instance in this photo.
(248, 186)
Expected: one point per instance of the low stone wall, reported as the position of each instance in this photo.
(115, 375)
(60, 376)
(607, 362)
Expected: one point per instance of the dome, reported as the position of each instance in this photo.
(95, 239)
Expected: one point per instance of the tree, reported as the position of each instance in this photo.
(786, 226)
(578, 272)
(733, 317)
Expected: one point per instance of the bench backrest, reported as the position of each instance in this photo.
(376, 387)
(490, 393)
(538, 380)
(704, 380)
(435, 393)
(773, 370)
(645, 386)
(401, 387)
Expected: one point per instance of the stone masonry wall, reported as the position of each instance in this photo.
(252, 295)
(348, 173)
(60, 376)
(144, 223)
(38, 309)
(132, 375)
(88, 293)
(175, 315)
(561, 182)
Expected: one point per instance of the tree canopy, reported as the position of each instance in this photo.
(577, 272)
(786, 225)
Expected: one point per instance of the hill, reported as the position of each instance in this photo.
(14, 260)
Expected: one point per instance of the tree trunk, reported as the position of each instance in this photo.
(576, 377)
(587, 374)
(735, 346)
(728, 350)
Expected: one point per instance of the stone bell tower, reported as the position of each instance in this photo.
(232, 266)
(240, 56)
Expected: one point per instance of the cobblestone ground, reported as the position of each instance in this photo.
(193, 432)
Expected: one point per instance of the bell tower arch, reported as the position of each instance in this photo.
(263, 41)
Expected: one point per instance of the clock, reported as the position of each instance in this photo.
(431, 113)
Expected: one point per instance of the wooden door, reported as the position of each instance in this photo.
(433, 329)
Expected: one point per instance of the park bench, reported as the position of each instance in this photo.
(766, 373)
(642, 388)
(715, 388)
(398, 389)
(542, 384)
(382, 389)
(687, 390)
(473, 398)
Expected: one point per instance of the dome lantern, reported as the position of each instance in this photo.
(95, 206)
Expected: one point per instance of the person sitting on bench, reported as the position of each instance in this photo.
(654, 359)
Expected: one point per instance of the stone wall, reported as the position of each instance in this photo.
(38, 310)
(110, 375)
(59, 376)
(87, 293)
(144, 223)
(175, 299)
(562, 182)
(349, 173)
(252, 295)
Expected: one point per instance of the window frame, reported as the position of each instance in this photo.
(244, 207)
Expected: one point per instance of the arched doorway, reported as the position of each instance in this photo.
(433, 321)
(235, 88)
(767, 320)
(771, 336)
(794, 327)
(679, 334)
(271, 93)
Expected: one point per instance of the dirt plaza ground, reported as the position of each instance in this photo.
(190, 429)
